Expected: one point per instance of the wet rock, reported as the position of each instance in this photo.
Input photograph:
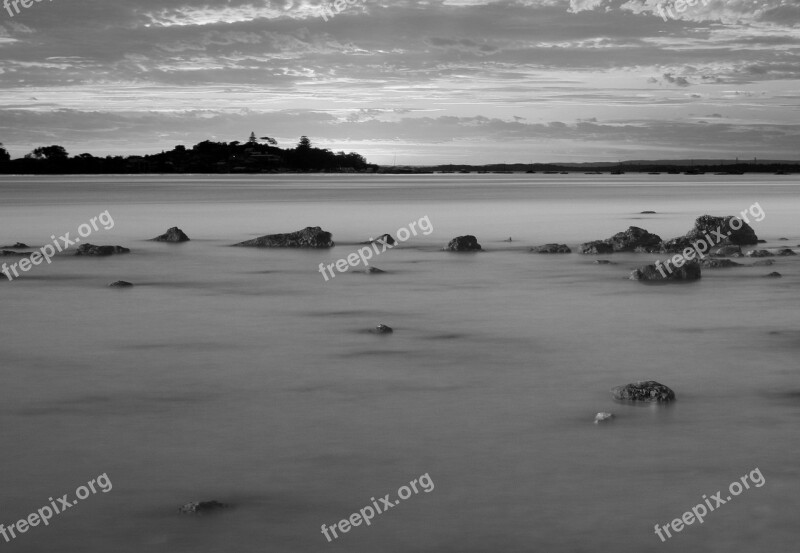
(726, 251)
(688, 272)
(382, 329)
(634, 239)
(785, 252)
(710, 263)
(382, 239)
(603, 417)
(201, 507)
(121, 284)
(646, 390)
(466, 243)
(374, 271)
(718, 230)
(551, 248)
(173, 236)
(774, 275)
(309, 237)
(759, 253)
(763, 263)
(648, 213)
(100, 251)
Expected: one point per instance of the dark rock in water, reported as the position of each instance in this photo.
(785, 252)
(763, 263)
(710, 226)
(551, 248)
(596, 247)
(759, 253)
(120, 284)
(783, 239)
(382, 239)
(173, 235)
(382, 329)
(9, 253)
(690, 271)
(761, 242)
(648, 213)
(709, 263)
(373, 271)
(647, 390)
(17, 246)
(773, 275)
(726, 251)
(100, 251)
(509, 240)
(201, 507)
(634, 239)
(309, 237)
(603, 262)
(466, 243)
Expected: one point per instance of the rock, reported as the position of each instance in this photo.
(647, 390)
(648, 213)
(634, 239)
(201, 507)
(761, 242)
(551, 248)
(100, 251)
(773, 275)
(382, 329)
(783, 239)
(690, 271)
(17, 246)
(9, 253)
(709, 225)
(309, 237)
(596, 247)
(173, 235)
(709, 263)
(603, 262)
(785, 252)
(373, 271)
(466, 243)
(120, 284)
(759, 253)
(763, 263)
(603, 417)
(726, 251)
(382, 239)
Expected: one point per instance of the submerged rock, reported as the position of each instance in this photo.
(774, 275)
(690, 271)
(373, 271)
(201, 507)
(9, 253)
(551, 248)
(121, 284)
(785, 252)
(603, 262)
(309, 237)
(603, 417)
(759, 253)
(763, 263)
(467, 243)
(726, 251)
(100, 251)
(173, 235)
(634, 239)
(716, 229)
(648, 213)
(645, 390)
(710, 263)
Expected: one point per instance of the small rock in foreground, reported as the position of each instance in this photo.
(173, 235)
(774, 275)
(100, 251)
(759, 253)
(785, 252)
(121, 284)
(467, 243)
(201, 507)
(374, 271)
(645, 390)
(603, 417)
(763, 263)
(382, 329)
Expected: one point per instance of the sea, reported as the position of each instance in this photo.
(243, 376)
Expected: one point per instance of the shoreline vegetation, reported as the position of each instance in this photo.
(262, 155)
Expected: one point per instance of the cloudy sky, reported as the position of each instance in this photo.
(427, 81)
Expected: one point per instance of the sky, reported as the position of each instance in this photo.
(407, 81)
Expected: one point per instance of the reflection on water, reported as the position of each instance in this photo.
(241, 375)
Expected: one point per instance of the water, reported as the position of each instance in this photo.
(241, 375)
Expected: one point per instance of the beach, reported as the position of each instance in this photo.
(241, 375)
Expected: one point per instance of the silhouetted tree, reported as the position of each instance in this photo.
(50, 153)
(252, 139)
(270, 141)
(305, 143)
(4, 155)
